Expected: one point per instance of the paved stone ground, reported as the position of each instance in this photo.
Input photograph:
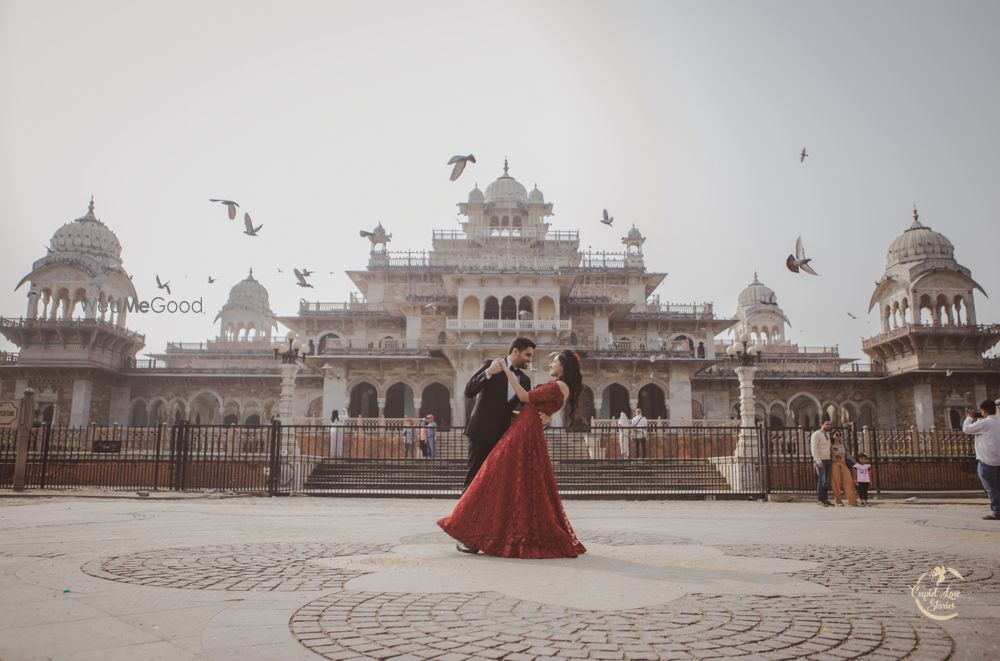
(310, 578)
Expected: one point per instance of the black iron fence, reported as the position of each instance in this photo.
(374, 459)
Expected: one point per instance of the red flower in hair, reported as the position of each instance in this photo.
(577, 356)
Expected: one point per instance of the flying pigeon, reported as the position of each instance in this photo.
(230, 204)
(162, 285)
(459, 162)
(250, 229)
(468, 346)
(300, 276)
(307, 272)
(851, 315)
(431, 306)
(802, 156)
(948, 373)
(607, 220)
(278, 270)
(211, 279)
(799, 259)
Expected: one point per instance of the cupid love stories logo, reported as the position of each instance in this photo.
(935, 594)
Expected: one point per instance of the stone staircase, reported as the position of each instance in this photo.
(576, 477)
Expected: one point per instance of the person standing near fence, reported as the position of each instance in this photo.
(409, 437)
(624, 430)
(987, 431)
(640, 427)
(431, 433)
(819, 445)
(336, 435)
(840, 475)
(863, 477)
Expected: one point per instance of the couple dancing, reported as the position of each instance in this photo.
(511, 505)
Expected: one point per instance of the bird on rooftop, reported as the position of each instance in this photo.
(459, 162)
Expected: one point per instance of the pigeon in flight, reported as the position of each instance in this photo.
(307, 272)
(230, 204)
(607, 220)
(851, 315)
(802, 156)
(468, 347)
(211, 279)
(948, 373)
(799, 259)
(250, 229)
(278, 270)
(300, 276)
(162, 285)
(431, 306)
(460, 162)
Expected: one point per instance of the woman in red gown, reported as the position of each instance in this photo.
(512, 508)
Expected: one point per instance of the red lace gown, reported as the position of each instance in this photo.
(512, 508)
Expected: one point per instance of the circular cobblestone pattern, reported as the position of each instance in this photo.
(279, 567)
(879, 570)
(488, 625)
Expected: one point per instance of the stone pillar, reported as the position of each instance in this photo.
(747, 445)
(286, 404)
(25, 416)
(381, 407)
(334, 391)
(79, 414)
(923, 406)
(679, 392)
(416, 406)
(118, 412)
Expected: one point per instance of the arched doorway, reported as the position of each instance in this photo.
(585, 411)
(653, 401)
(508, 308)
(491, 308)
(615, 401)
(364, 401)
(436, 400)
(231, 419)
(140, 414)
(399, 401)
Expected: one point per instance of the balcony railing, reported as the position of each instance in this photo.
(380, 347)
(8, 357)
(348, 307)
(556, 236)
(221, 346)
(510, 324)
(906, 329)
(70, 324)
(694, 310)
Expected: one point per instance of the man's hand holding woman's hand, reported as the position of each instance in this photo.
(496, 367)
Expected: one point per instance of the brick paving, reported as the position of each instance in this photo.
(490, 625)
(278, 567)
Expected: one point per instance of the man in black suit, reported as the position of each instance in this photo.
(495, 403)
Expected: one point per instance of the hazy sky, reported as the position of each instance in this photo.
(685, 118)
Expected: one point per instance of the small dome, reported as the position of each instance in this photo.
(917, 243)
(476, 195)
(757, 293)
(87, 235)
(634, 234)
(536, 195)
(248, 290)
(506, 189)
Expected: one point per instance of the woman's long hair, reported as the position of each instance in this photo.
(573, 378)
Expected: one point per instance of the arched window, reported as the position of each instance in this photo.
(364, 401)
(491, 308)
(508, 308)
(652, 401)
(329, 343)
(470, 308)
(399, 401)
(436, 400)
(615, 401)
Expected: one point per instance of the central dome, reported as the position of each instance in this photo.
(757, 293)
(248, 290)
(506, 189)
(87, 235)
(917, 243)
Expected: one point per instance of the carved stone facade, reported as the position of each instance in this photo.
(422, 322)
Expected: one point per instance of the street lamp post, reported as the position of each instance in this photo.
(745, 475)
(286, 408)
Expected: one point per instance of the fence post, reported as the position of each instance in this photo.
(156, 456)
(765, 450)
(46, 434)
(274, 454)
(25, 416)
(876, 468)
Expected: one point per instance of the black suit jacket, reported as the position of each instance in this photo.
(493, 412)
